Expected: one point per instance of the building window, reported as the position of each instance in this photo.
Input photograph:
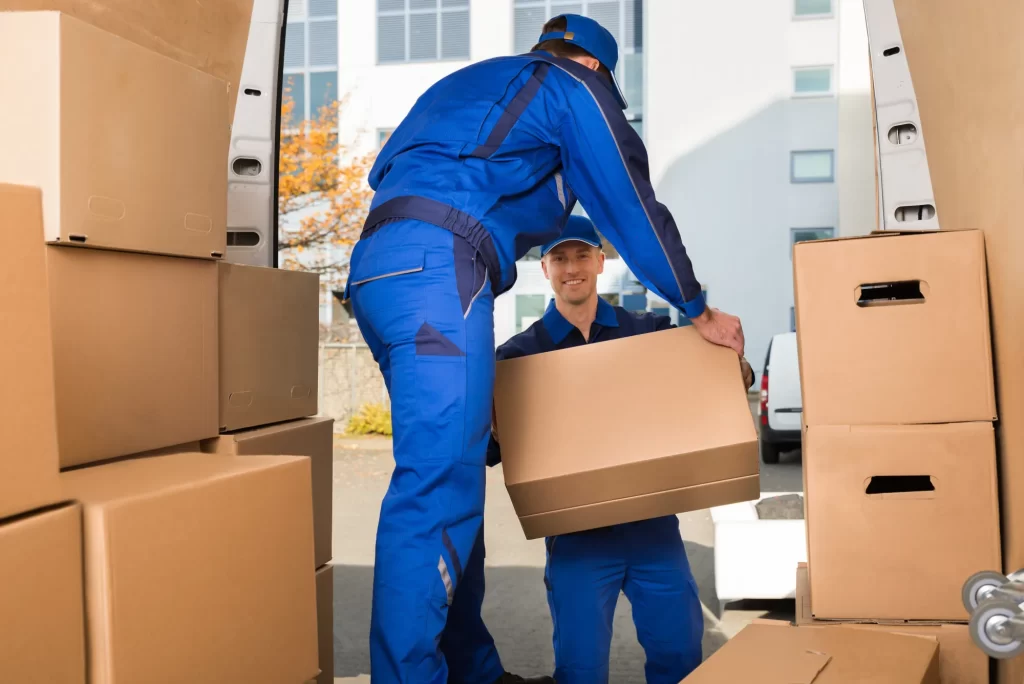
(812, 166)
(622, 18)
(812, 81)
(311, 57)
(812, 8)
(422, 30)
(529, 309)
(382, 136)
(808, 234)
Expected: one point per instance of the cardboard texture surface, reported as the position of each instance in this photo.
(781, 654)
(208, 36)
(197, 569)
(642, 507)
(135, 351)
(269, 337)
(128, 146)
(313, 437)
(28, 460)
(707, 437)
(42, 634)
(960, 661)
(923, 359)
(325, 622)
(968, 72)
(885, 503)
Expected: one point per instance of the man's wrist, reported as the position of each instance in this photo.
(703, 317)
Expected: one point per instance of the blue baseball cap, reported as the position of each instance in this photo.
(577, 229)
(595, 39)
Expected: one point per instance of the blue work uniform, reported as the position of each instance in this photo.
(487, 164)
(646, 560)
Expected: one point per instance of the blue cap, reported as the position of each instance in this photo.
(595, 39)
(577, 229)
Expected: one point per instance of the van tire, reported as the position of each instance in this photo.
(769, 452)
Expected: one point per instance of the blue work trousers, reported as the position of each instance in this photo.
(424, 304)
(645, 560)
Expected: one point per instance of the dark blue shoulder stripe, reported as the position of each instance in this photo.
(512, 112)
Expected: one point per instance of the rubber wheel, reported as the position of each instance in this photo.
(980, 620)
(977, 582)
(769, 452)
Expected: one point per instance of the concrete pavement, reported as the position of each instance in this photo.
(516, 608)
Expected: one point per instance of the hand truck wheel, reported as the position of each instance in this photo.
(997, 627)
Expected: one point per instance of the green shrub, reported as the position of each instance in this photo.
(372, 419)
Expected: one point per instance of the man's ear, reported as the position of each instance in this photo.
(591, 63)
(600, 261)
(544, 267)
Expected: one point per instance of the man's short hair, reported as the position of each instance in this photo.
(560, 48)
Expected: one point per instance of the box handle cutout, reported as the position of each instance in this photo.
(889, 52)
(903, 134)
(915, 212)
(894, 293)
(247, 166)
(899, 484)
(253, 92)
(243, 238)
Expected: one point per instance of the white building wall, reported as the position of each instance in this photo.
(721, 121)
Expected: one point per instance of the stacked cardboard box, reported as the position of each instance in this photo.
(899, 447)
(968, 72)
(167, 564)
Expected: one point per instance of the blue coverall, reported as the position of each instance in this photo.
(646, 560)
(487, 164)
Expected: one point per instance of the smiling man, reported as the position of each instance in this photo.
(646, 560)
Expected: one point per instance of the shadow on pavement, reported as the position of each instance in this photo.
(516, 612)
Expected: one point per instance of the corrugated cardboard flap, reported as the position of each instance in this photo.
(803, 668)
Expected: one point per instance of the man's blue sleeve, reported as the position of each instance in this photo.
(605, 164)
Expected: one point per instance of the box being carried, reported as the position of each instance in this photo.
(682, 437)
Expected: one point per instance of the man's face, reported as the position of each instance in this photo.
(573, 267)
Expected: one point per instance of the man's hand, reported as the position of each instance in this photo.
(748, 373)
(721, 329)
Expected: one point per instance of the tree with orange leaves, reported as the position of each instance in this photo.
(323, 197)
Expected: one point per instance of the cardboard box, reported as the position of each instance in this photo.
(197, 569)
(699, 446)
(129, 147)
(269, 340)
(968, 73)
(894, 329)
(914, 508)
(135, 351)
(313, 437)
(960, 661)
(42, 634)
(210, 37)
(781, 654)
(28, 460)
(325, 622)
